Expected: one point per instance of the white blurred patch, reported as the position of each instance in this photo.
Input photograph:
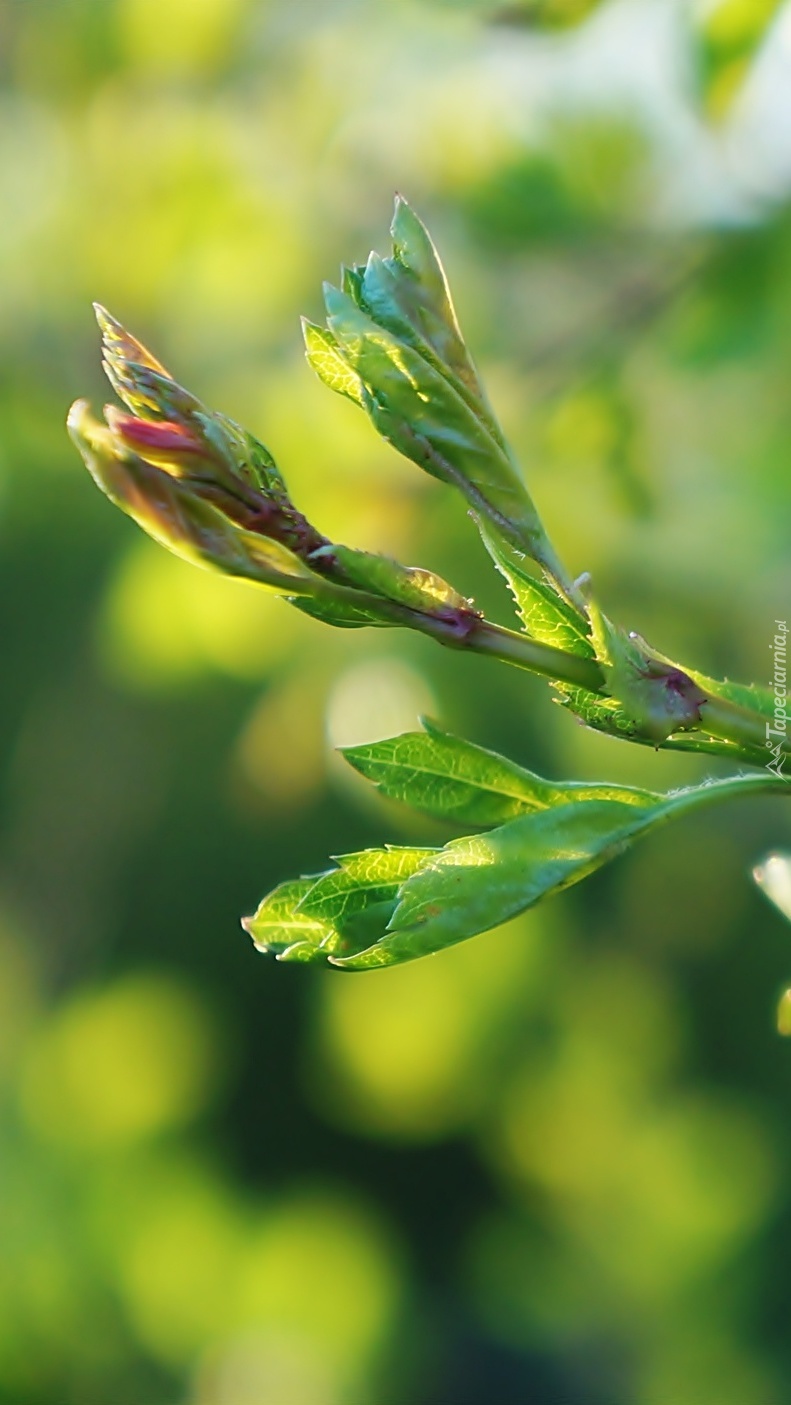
(377, 699)
(774, 877)
(261, 1370)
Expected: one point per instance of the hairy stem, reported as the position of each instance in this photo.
(738, 724)
(719, 718)
(519, 650)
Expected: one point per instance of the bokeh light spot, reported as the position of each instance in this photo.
(120, 1064)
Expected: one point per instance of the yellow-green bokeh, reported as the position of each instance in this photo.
(550, 1164)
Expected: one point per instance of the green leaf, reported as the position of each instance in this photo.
(420, 412)
(336, 913)
(352, 284)
(324, 356)
(477, 883)
(605, 715)
(433, 310)
(341, 614)
(278, 927)
(447, 776)
(392, 299)
(408, 294)
(411, 586)
(394, 325)
(251, 459)
(545, 614)
(385, 906)
(656, 693)
(600, 713)
(370, 879)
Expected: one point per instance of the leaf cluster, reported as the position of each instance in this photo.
(206, 489)
(386, 906)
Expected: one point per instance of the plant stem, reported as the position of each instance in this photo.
(525, 533)
(730, 787)
(721, 718)
(530, 654)
(457, 630)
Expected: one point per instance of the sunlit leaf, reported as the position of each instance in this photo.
(545, 614)
(604, 714)
(321, 350)
(447, 776)
(408, 294)
(279, 928)
(479, 882)
(362, 882)
(411, 586)
(424, 416)
(335, 913)
(385, 906)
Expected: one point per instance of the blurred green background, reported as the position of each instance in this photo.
(550, 1165)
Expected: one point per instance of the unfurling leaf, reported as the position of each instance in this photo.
(195, 442)
(424, 413)
(336, 913)
(394, 346)
(409, 295)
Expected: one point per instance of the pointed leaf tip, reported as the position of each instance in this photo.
(121, 348)
(105, 318)
(401, 203)
(76, 415)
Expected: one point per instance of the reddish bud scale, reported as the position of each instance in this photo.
(160, 442)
